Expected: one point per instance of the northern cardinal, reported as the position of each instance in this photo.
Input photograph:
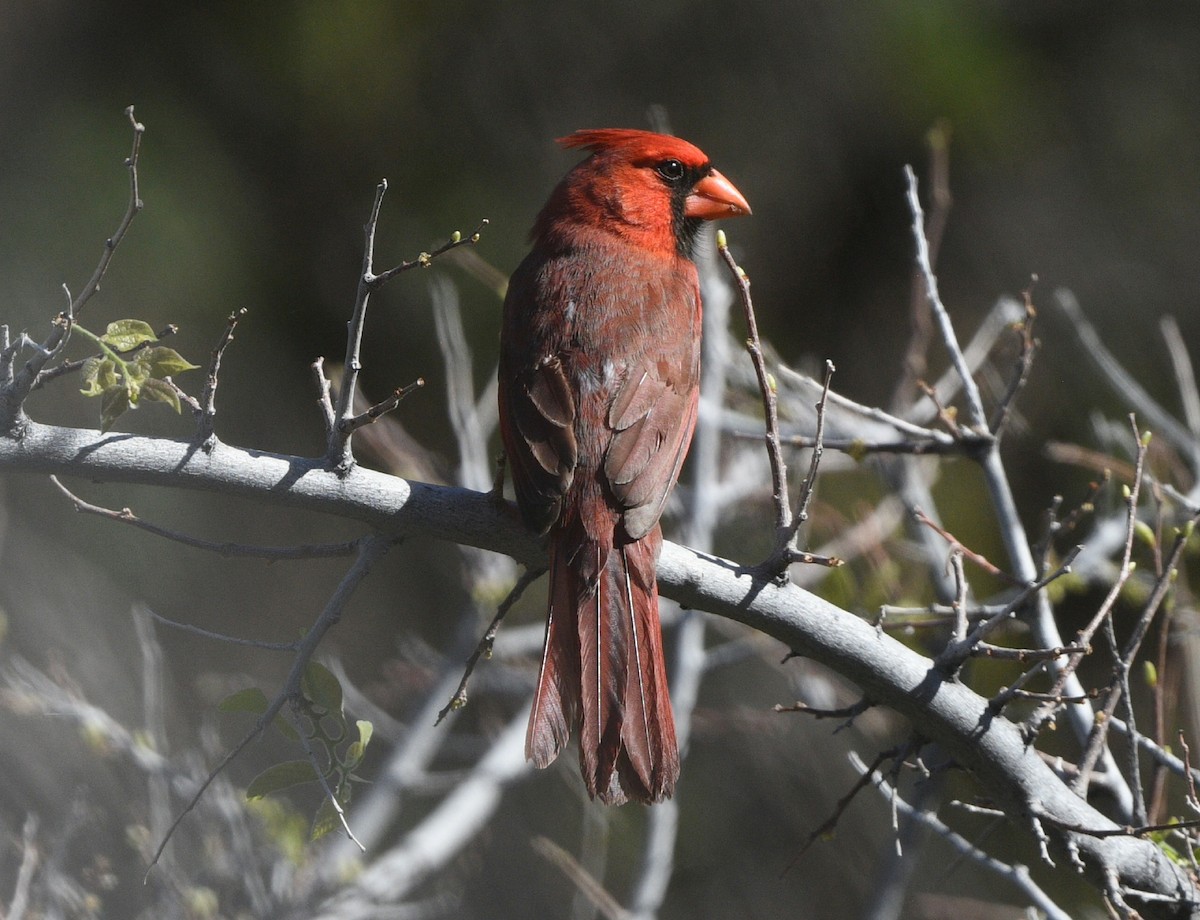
(599, 381)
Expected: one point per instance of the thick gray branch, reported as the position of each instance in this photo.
(888, 672)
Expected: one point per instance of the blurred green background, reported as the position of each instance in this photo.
(1075, 155)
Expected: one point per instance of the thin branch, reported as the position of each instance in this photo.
(338, 451)
(585, 883)
(810, 480)
(370, 551)
(767, 388)
(1185, 376)
(794, 379)
(19, 902)
(864, 780)
(14, 388)
(320, 770)
(351, 425)
(845, 712)
(978, 419)
(1025, 357)
(916, 358)
(986, 650)
(225, 637)
(1016, 874)
(324, 400)
(860, 447)
(956, 544)
(223, 548)
(205, 431)
(425, 259)
(1120, 380)
(1103, 618)
(486, 642)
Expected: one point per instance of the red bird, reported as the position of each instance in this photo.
(599, 381)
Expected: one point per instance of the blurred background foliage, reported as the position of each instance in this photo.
(1075, 155)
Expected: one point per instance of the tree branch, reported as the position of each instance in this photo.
(888, 672)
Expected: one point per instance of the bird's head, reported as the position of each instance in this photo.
(653, 189)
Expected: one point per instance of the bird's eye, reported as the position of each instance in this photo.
(671, 170)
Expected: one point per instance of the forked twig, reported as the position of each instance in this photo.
(369, 552)
(487, 640)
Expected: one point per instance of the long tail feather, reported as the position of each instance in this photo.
(556, 701)
(603, 671)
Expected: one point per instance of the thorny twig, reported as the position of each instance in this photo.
(205, 431)
(1024, 364)
(484, 648)
(223, 548)
(15, 387)
(338, 450)
(767, 387)
(786, 523)
(369, 552)
(1015, 873)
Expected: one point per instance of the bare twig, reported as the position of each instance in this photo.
(864, 780)
(859, 447)
(978, 420)
(324, 399)
(338, 451)
(205, 431)
(1024, 364)
(1015, 873)
(29, 862)
(956, 544)
(15, 387)
(810, 480)
(585, 883)
(369, 552)
(486, 642)
(1185, 376)
(767, 387)
(916, 355)
(959, 632)
(223, 548)
(1103, 618)
(321, 770)
(350, 425)
(224, 637)
(1120, 380)
(845, 712)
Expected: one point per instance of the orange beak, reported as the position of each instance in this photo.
(714, 196)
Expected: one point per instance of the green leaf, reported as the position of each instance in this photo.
(325, 820)
(281, 776)
(252, 699)
(125, 334)
(320, 686)
(1145, 533)
(158, 391)
(354, 753)
(1150, 674)
(285, 728)
(161, 361)
(98, 375)
(114, 402)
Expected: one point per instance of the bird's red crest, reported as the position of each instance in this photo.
(635, 144)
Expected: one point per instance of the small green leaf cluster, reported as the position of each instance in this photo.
(337, 745)
(130, 368)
